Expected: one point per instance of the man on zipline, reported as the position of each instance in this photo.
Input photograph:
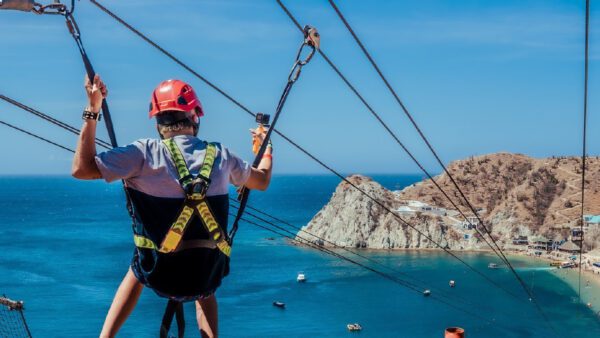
(178, 186)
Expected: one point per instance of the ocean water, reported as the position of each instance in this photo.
(66, 244)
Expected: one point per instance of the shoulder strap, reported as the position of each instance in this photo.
(182, 170)
(209, 160)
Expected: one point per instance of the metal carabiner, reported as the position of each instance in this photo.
(312, 39)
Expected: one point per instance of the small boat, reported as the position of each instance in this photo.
(451, 283)
(301, 278)
(280, 305)
(556, 264)
(270, 238)
(567, 265)
(354, 327)
(492, 266)
(426, 293)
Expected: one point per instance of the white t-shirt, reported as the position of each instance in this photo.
(146, 166)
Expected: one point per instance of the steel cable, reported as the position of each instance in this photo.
(497, 249)
(393, 135)
(36, 136)
(114, 16)
(50, 119)
(583, 151)
(440, 162)
(306, 242)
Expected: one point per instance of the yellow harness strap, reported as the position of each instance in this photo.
(195, 203)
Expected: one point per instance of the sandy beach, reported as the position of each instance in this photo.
(590, 282)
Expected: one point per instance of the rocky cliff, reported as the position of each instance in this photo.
(515, 195)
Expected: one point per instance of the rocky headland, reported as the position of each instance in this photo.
(513, 194)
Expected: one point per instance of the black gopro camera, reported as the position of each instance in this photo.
(263, 119)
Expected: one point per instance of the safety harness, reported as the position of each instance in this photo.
(165, 264)
(195, 204)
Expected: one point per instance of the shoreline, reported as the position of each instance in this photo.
(570, 276)
(590, 281)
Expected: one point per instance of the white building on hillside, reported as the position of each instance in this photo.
(413, 206)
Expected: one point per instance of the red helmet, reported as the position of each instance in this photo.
(175, 95)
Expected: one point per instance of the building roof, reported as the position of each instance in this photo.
(569, 246)
(592, 218)
(538, 239)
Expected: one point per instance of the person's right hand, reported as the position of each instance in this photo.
(96, 92)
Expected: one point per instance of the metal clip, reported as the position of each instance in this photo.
(312, 36)
(198, 187)
(55, 8)
(312, 39)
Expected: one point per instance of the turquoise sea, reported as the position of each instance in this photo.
(66, 244)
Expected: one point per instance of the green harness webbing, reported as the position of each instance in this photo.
(194, 204)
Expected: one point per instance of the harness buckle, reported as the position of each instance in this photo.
(198, 187)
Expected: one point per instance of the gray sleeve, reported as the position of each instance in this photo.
(239, 170)
(122, 162)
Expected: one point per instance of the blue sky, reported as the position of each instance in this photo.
(478, 76)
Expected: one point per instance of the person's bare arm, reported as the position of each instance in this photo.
(260, 177)
(84, 164)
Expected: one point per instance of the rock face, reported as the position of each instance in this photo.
(351, 219)
(514, 195)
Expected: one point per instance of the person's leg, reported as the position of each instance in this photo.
(125, 299)
(207, 316)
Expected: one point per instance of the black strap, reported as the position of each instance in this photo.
(245, 193)
(75, 33)
(173, 309)
(311, 40)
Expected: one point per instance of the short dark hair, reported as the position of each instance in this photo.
(176, 126)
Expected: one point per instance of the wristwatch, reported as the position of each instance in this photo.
(90, 115)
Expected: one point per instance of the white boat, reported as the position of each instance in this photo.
(354, 327)
(567, 265)
(301, 278)
(426, 293)
(452, 283)
(492, 266)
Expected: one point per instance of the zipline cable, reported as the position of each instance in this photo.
(376, 262)
(437, 157)
(333, 244)
(171, 56)
(336, 69)
(114, 16)
(377, 272)
(394, 136)
(249, 207)
(36, 136)
(583, 152)
(52, 120)
(311, 41)
(303, 241)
